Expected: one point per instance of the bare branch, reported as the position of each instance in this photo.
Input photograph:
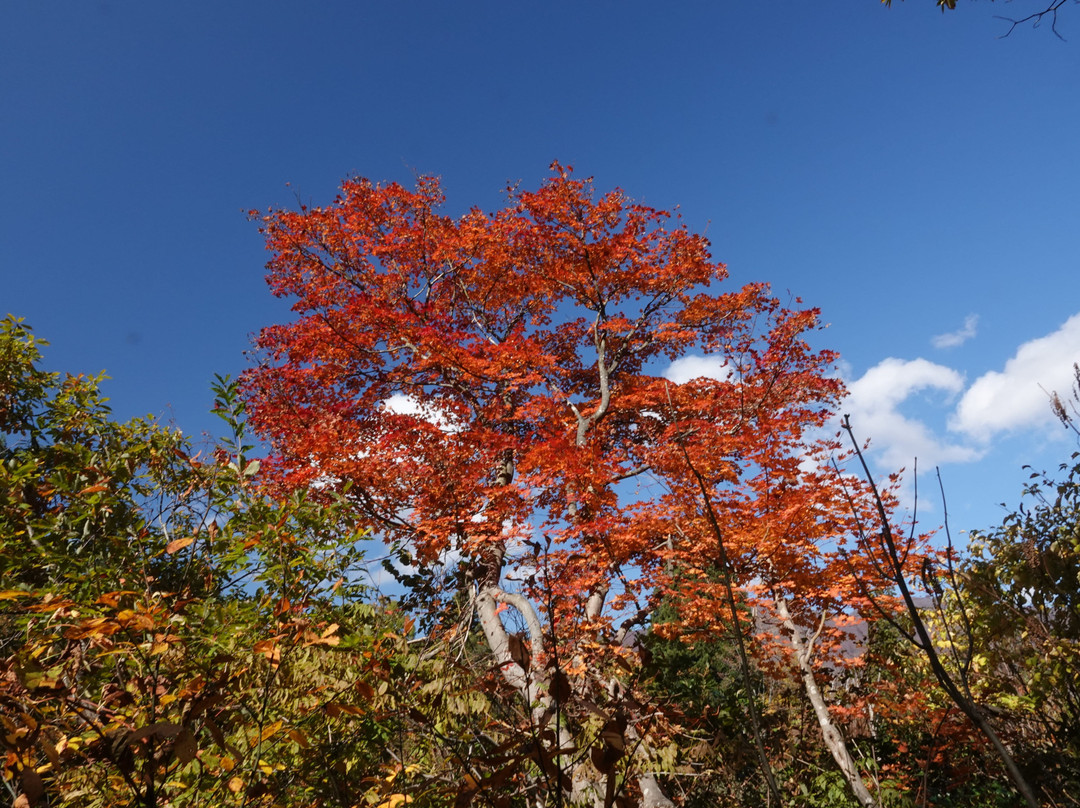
(1036, 19)
(948, 684)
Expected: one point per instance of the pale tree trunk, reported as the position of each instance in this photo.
(574, 781)
(532, 684)
(580, 783)
(834, 740)
(651, 795)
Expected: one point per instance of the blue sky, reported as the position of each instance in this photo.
(910, 173)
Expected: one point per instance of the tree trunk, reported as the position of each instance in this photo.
(651, 795)
(579, 783)
(834, 739)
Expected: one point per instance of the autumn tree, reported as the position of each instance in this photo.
(490, 390)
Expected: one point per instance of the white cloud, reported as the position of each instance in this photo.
(955, 338)
(892, 380)
(897, 439)
(1013, 399)
(1017, 397)
(687, 368)
(402, 404)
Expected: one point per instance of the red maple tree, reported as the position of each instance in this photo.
(489, 389)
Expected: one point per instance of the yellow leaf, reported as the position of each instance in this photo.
(394, 800)
(270, 730)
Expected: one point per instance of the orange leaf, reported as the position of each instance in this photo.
(178, 544)
(299, 737)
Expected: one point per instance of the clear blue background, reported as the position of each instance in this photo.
(899, 168)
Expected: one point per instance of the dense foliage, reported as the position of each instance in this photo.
(486, 393)
(613, 589)
(170, 637)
